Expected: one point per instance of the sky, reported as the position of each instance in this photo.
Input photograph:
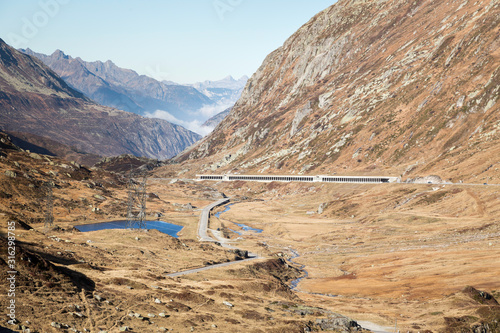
(184, 41)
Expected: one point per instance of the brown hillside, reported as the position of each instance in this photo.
(116, 280)
(34, 100)
(408, 86)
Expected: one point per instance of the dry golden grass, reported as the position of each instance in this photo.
(376, 253)
(386, 251)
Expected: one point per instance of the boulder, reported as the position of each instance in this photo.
(11, 174)
(336, 322)
(35, 156)
(322, 207)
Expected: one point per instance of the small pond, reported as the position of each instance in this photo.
(166, 228)
(241, 225)
(247, 228)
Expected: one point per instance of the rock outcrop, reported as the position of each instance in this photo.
(339, 323)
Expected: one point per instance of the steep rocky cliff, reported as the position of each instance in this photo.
(33, 99)
(395, 86)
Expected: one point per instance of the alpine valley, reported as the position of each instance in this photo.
(405, 90)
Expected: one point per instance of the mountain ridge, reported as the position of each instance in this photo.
(33, 99)
(187, 105)
(123, 88)
(224, 92)
(217, 119)
(228, 82)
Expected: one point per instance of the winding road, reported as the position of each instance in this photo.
(201, 269)
(204, 237)
(203, 224)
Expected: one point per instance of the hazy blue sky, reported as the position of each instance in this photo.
(179, 40)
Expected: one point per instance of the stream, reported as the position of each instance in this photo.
(294, 284)
(241, 225)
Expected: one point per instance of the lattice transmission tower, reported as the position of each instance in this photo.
(136, 207)
(49, 207)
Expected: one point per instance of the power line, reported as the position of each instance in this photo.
(136, 206)
(49, 207)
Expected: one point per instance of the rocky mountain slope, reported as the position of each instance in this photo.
(43, 145)
(33, 99)
(401, 87)
(122, 88)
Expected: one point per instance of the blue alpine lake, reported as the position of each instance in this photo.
(166, 228)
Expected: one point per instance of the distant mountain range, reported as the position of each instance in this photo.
(224, 92)
(35, 100)
(124, 89)
(227, 83)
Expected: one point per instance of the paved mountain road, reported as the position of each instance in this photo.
(201, 269)
(204, 237)
(204, 216)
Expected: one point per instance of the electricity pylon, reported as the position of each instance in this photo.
(49, 207)
(136, 207)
